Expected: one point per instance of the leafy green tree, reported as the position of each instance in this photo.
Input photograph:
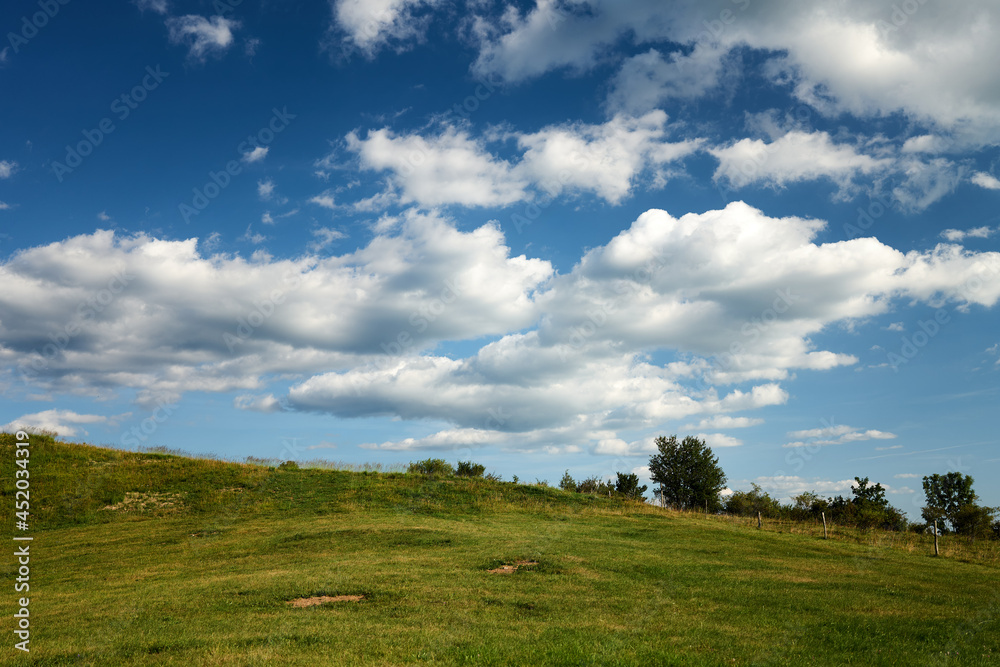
(687, 472)
(628, 485)
(594, 485)
(431, 467)
(946, 495)
(567, 483)
(748, 503)
(974, 520)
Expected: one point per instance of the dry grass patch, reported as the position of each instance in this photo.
(323, 599)
(511, 569)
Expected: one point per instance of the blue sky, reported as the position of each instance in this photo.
(536, 235)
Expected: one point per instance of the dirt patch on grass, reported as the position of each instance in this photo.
(323, 599)
(511, 569)
(145, 502)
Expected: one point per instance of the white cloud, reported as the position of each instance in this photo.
(647, 80)
(256, 155)
(4, 206)
(907, 475)
(158, 6)
(719, 440)
(450, 168)
(103, 216)
(324, 237)
(603, 159)
(724, 422)
(735, 296)
(265, 189)
(896, 326)
(957, 236)
(836, 435)
(255, 403)
(64, 422)
(371, 24)
(7, 168)
(797, 156)
(324, 200)
(266, 218)
(253, 237)
(984, 180)
(203, 36)
(454, 168)
(851, 60)
(175, 325)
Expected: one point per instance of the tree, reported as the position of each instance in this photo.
(946, 495)
(749, 503)
(628, 486)
(567, 483)
(687, 472)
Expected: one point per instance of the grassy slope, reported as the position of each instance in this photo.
(205, 580)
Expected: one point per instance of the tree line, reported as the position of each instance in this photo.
(688, 476)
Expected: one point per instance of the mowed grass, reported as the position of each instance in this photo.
(199, 561)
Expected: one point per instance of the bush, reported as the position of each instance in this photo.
(594, 485)
(493, 477)
(749, 503)
(431, 467)
(470, 469)
(288, 465)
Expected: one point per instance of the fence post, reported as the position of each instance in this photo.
(823, 514)
(935, 538)
(758, 520)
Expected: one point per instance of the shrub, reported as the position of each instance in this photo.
(289, 465)
(594, 485)
(470, 469)
(432, 467)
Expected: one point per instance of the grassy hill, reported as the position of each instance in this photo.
(157, 559)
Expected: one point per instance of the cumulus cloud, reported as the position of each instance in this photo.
(984, 180)
(204, 37)
(451, 168)
(647, 80)
(454, 168)
(857, 59)
(957, 235)
(65, 423)
(797, 156)
(369, 25)
(256, 155)
(324, 200)
(175, 321)
(265, 189)
(731, 297)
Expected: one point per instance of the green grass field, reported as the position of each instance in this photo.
(198, 559)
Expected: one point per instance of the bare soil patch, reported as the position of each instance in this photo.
(323, 599)
(511, 569)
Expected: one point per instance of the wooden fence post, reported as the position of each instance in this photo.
(935, 538)
(823, 514)
(758, 519)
